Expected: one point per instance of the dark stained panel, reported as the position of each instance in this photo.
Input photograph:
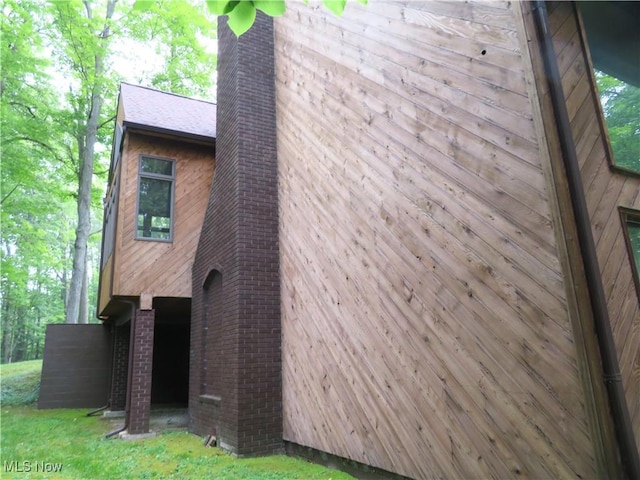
(76, 367)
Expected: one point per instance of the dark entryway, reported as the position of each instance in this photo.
(170, 374)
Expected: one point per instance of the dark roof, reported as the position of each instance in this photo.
(167, 112)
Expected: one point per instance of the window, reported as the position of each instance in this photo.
(109, 229)
(614, 41)
(116, 151)
(621, 107)
(633, 227)
(631, 220)
(155, 199)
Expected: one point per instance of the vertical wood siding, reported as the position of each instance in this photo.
(425, 325)
(606, 190)
(104, 295)
(160, 268)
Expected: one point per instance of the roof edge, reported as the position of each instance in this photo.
(166, 131)
(167, 93)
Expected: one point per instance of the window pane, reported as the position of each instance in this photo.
(621, 106)
(156, 165)
(634, 236)
(614, 42)
(154, 208)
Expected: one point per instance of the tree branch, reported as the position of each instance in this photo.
(111, 6)
(87, 7)
(9, 194)
(106, 122)
(26, 107)
(79, 64)
(36, 142)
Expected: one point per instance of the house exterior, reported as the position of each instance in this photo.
(433, 181)
(416, 251)
(162, 165)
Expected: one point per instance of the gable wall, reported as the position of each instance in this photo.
(160, 268)
(425, 325)
(606, 190)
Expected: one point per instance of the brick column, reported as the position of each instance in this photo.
(141, 368)
(119, 368)
(239, 239)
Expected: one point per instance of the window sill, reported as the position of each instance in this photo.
(211, 399)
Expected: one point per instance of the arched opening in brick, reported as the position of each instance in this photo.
(212, 324)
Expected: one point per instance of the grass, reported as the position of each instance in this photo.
(20, 382)
(41, 439)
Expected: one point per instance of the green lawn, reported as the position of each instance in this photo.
(20, 382)
(34, 440)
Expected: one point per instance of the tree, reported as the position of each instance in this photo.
(178, 32)
(83, 37)
(58, 89)
(33, 215)
(242, 13)
(621, 107)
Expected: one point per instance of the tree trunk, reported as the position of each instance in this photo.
(84, 297)
(86, 147)
(86, 144)
(38, 323)
(64, 292)
(6, 332)
(80, 245)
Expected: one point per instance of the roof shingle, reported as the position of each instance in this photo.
(152, 108)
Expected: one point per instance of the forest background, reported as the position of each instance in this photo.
(61, 67)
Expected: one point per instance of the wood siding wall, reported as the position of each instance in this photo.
(160, 268)
(425, 325)
(606, 190)
(106, 276)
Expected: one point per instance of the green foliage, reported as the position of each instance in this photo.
(178, 33)
(56, 68)
(242, 13)
(20, 383)
(35, 214)
(621, 107)
(336, 6)
(80, 446)
(241, 17)
(273, 8)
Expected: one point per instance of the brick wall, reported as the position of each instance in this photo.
(119, 368)
(240, 240)
(141, 370)
(76, 366)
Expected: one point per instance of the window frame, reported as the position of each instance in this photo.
(110, 220)
(157, 176)
(629, 215)
(116, 151)
(595, 93)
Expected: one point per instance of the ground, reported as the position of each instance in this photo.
(67, 444)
